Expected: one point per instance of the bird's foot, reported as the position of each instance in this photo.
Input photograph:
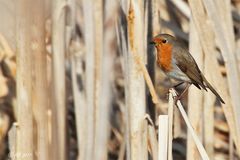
(179, 84)
(176, 97)
(179, 96)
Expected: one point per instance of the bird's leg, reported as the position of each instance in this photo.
(175, 86)
(178, 84)
(183, 92)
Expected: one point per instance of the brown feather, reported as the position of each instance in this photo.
(212, 89)
(187, 64)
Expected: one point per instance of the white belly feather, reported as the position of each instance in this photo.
(177, 74)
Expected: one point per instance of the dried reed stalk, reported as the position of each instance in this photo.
(12, 134)
(208, 111)
(58, 85)
(88, 12)
(101, 89)
(231, 147)
(24, 139)
(110, 11)
(170, 127)
(6, 48)
(225, 37)
(156, 25)
(135, 92)
(198, 143)
(236, 14)
(121, 154)
(208, 104)
(144, 130)
(195, 97)
(177, 129)
(163, 137)
(70, 21)
(79, 101)
(39, 84)
(78, 83)
(152, 136)
(183, 7)
(147, 78)
(122, 41)
(208, 127)
(199, 18)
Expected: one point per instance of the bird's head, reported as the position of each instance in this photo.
(163, 40)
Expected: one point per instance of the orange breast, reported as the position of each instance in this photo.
(164, 56)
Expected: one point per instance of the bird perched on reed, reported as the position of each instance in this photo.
(178, 64)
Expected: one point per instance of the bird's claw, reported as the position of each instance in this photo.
(176, 98)
(177, 94)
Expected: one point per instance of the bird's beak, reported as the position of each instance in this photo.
(152, 42)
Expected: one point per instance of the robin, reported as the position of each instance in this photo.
(178, 64)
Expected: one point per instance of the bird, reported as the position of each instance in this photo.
(177, 63)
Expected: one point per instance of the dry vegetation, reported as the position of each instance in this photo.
(79, 81)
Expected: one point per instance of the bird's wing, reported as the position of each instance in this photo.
(187, 64)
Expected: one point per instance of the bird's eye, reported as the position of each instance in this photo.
(164, 41)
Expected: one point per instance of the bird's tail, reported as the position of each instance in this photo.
(208, 85)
